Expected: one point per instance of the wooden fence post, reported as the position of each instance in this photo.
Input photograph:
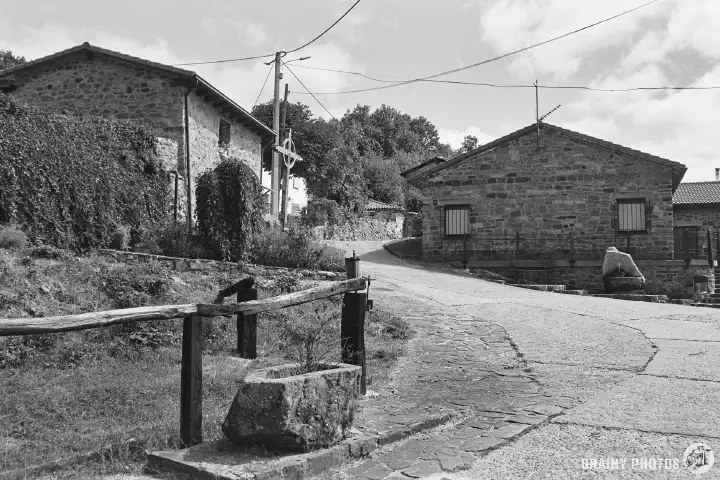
(247, 326)
(352, 327)
(191, 382)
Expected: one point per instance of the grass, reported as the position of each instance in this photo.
(116, 389)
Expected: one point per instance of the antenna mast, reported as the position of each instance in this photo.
(538, 118)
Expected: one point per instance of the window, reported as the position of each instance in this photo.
(224, 135)
(631, 215)
(457, 220)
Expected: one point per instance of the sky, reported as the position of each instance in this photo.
(668, 43)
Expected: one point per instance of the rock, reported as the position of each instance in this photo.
(294, 413)
(615, 258)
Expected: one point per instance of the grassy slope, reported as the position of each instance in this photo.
(71, 393)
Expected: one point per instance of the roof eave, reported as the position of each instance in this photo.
(246, 117)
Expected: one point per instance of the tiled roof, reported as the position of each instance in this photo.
(697, 193)
(678, 169)
(377, 205)
(246, 116)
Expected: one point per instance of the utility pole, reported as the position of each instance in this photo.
(274, 180)
(537, 113)
(283, 122)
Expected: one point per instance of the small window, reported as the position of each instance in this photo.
(687, 242)
(224, 136)
(631, 215)
(457, 220)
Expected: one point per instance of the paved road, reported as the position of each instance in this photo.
(542, 384)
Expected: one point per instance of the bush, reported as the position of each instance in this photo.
(71, 181)
(229, 209)
(296, 248)
(11, 237)
(174, 241)
(310, 335)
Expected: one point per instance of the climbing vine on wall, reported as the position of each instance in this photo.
(228, 208)
(73, 182)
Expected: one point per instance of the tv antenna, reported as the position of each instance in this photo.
(538, 118)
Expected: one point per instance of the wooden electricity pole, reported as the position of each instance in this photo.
(274, 179)
(283, 123)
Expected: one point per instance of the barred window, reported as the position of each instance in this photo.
(631, 215)
(457, 220)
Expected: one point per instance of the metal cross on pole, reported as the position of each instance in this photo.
(289, 158)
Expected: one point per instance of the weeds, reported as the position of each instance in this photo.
(12, 238)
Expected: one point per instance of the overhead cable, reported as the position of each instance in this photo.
(494, 59)
(269, 55)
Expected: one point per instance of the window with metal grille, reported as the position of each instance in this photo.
(457, 220)
(631, 215)
(224, 135)
(687, 242)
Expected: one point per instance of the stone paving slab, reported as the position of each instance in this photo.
(654, 404)
(686, 359)
(541, 334)
(674, 329)
(557, 451)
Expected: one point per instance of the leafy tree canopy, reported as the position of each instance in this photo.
(7, 59)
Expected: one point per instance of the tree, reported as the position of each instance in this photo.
(7, 59)
(470, 142)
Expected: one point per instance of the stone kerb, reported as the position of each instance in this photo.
(203, 265)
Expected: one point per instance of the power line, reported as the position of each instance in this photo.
(264, 83)
(307, 90)
(504, 85)
(327, 29)
(271, 54)
(224, 61)
(494, 59)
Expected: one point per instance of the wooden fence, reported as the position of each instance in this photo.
(246, 309)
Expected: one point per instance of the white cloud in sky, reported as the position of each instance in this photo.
(509, 25)
(247, 31)
(455, 137)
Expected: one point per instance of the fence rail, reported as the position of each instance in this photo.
(83, 321)
(352, 328)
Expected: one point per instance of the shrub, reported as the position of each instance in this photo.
(174, 241)
(229, 209)
(310, 336)
(136, 287)
(71, 181)
(296, 248)
(11, 237)
(120, 239)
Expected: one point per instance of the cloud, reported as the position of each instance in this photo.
(509, 25)
(248, 31)
(455, 137)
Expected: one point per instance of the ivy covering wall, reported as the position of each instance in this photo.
(74, 182)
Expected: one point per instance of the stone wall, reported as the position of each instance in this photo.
(203, 265)
(669, 277)
(565, 185)
(373, 225)
(706, 216)
(82, 84)
(204, 127)
(413, 225)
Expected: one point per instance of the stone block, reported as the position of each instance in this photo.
(294, 412)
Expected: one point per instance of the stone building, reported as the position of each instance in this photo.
(195, 123)
(696, 208)
(548, 200)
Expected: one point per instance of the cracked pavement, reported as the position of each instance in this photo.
(537, 381)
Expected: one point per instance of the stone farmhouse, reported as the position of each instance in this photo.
(195, 122)
(545, 202)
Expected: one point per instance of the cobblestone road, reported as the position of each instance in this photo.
(509, 363)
